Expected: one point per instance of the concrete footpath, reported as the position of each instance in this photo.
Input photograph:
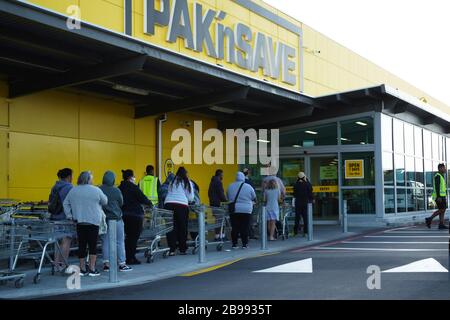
(166, 268)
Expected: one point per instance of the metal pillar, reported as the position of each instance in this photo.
(310, 222)
(345, 218)
(263, 229)
(112, 239)
(201, 236)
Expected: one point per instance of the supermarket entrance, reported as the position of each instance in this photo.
(323, 173)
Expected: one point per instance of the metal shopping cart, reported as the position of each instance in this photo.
(42, 233)
(287, 217)
(10, 247)
(215, 218)
(157, 223)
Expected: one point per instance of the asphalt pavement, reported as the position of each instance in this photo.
(404, 263)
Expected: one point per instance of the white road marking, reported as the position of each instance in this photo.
(393, 242)
(382, 249)
(423, 237)
(421, 266)
(302, 266)
(418, 232)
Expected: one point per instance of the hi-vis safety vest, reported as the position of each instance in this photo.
(149, 186)
(443, 188)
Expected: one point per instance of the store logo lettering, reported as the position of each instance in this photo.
(244, 48)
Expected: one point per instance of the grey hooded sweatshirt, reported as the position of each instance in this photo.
(113, 209)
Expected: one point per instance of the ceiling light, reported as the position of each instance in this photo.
(312, 132)
(345, 139)
(222, 110)
(363, 143)
(296, 146)
(141, 92)
(263, 141)
(361, 123)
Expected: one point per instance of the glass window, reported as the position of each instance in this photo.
(400, 170)
(358, 131)
(427, 144)
(360, 201)
(435, 142)
(366, 176)
(409, 139)
(325, 135)
(416, 199)
(389, 200)
(429, 173)
(399, 139)
(401, 200)
(410, 172)
(419, 171)
(290, 169)
(418, 140)
(388, 169)
(386, 132)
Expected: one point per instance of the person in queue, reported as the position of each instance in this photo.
(272, 196)
(133, 214)
(180, 194)
(303, 195)
(57, 196)
(84, 204)
(150, 185)
(113, 211)
(216, 196)
(243, 196)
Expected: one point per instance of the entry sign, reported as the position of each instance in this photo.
(354, 169)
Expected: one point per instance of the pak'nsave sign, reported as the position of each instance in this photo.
(205, 29)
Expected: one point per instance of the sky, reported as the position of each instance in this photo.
(409, 38)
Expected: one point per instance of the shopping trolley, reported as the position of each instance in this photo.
(215, 218)
(287, 217)
(157, 223)
(7, 206)
(10, 247)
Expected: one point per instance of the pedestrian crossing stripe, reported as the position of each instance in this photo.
(302, 266)
(421, 266)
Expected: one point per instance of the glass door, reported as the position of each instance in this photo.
(324, 176)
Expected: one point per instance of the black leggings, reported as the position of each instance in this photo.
(240, 223)
(180, 227)
(301, 211)
(133, 228)
(87, 237)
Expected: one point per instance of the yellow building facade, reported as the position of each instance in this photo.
(46, 131)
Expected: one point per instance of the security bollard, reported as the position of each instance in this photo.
(112, 239)
(345, 218)
(201, 236)
(263, 229)
(310, 222)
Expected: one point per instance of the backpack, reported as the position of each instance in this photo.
(55, 205)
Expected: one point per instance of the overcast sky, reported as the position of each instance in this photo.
(410, 38)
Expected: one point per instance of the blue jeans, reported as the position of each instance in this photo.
(120, 244)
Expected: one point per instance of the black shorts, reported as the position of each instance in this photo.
(442, 203)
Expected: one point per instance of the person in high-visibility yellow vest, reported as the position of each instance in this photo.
(150, 185)
(440, 197)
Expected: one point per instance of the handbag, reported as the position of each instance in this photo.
(103, 228)
(232, 205)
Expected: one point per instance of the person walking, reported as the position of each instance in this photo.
(440, 197)
(247, 174)
(83, 205)
(113, 211)
(133, 214)
(216, 195)
(242, 196)
(57, 196)
(180, 194)
(150, 185)
(303, 194)
(272, 197)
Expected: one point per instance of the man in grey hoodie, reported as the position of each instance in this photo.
(113, 211)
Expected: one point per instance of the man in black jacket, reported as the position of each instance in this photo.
(303, 194)
(216, 196)
(133, 214)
